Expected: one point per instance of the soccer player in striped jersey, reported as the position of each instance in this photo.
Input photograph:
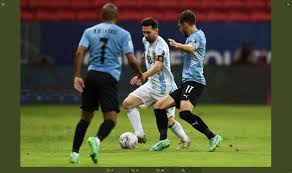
(160, 83)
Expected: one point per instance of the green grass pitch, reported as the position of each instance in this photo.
(46, 134)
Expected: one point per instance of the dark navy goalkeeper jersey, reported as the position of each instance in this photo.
(106, 42)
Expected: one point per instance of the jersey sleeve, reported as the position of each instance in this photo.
(127, 44)
(195, 40)
(84, 39)
(160, 53)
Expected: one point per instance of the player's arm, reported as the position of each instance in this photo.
(135, 66)
(158, 63)
(78, 60)
(78, 82)
(182, 47)
(143, 57)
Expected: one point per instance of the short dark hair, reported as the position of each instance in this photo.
(188, 17)
(149, 21)
(109, 12)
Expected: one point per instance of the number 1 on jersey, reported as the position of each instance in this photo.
(104, 43)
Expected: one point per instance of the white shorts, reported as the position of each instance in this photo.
(148, 97)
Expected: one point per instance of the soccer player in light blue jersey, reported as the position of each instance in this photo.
(160, 83)
(105, 43)
(193, 80)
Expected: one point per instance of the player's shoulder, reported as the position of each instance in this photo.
(121, 30)
(91, 29)
(198, 34)
(161, 42)
(87, 30)
(201, 33)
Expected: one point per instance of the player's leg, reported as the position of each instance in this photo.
(177, 129)
(140, 96)
(130, 104)
(105, 128)
(107, 88)
(89, 103)
(165, 103)
(162, 122)
(190, 94)
(79, 134)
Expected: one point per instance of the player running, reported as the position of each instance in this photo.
(105, 43)
(160, 83)
(193, 80)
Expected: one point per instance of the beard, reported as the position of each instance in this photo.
(150, 40)
(185, 34)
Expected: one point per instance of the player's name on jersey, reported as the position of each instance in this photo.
(105, 31)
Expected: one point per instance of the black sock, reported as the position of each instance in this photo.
(161, 121)
(197, 123)
(79, 135)
(104, 129)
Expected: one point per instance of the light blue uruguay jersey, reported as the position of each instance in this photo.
(162, 82)
(194, 62)
(106, 42)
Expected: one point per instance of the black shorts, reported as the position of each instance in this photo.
(100, 89)
(190, 90)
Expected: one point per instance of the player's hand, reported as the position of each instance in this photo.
(137, 80)
(173, 43)
(141, 79)
(143, 56)
(78, 84)
(134, 80)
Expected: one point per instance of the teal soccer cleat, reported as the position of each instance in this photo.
(214, 142)
(162, 144)
(94, 146)
(74, 157)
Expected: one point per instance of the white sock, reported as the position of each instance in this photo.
(74, 154)
(97, 140)
(134, 117)
(179, 131)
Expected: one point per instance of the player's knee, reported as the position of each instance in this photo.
(87, 116)
(170, 121)
(127, 104)
(185, 115)
(110, 116)
(157, 105)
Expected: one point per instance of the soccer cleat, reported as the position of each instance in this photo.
(94, 146)
(183, 145)
(74, 157)
(162, 144)
(142, 140)
(214, 142)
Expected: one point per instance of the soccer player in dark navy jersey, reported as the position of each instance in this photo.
(105, 42)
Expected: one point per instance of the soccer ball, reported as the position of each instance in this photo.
(128, 140)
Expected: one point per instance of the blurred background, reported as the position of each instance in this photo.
(237, 61)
